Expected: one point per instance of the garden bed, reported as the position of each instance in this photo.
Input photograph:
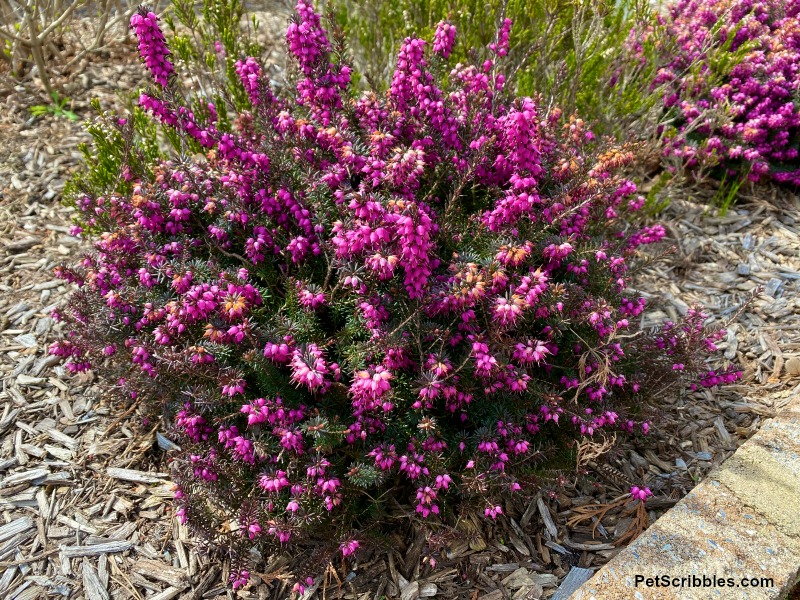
(86, 501)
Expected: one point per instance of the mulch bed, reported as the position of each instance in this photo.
(85, 499)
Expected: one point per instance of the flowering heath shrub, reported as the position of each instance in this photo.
(350, 298)
(731, 77)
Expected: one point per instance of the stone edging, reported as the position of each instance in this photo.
(741, 521)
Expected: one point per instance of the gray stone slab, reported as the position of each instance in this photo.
(739, 526)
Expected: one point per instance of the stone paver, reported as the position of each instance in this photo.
(742, 521)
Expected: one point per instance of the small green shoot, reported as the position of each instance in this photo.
(727, 193)
(58, 108)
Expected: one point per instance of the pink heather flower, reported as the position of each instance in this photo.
(332, 501)
(413, 88)
(239, 578)
(307, 40)
(318, 468)
(507, 311)
(257, 411)
(488, 446)
(298, 248)
(557, 252)
(280, 353)
(360, 259)
(485, 363)
(532, 351)
(349, 547)
(640, 493)
(273, 482)
(201, 356)
(253, 530)
(425, 501)
(384, 457)
(292, 439)
(328, 485)
(234, 387)
(243, 449)
(249, 72)
(493, 511)
(755, 124)
(369, 388)
(713, 378)
(412, 466)
(443, 481)
(300, 587)
(444, 39)
(152, 45)
(310, 297)
(282, 535)
(309, 367)
(500, 47)
(161, 336)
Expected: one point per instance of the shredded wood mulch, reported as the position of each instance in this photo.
(84, 490)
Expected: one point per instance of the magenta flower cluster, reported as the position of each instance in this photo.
(444, 39)
(745, 116)
(415, 292)
(152, 45)
(641, 494)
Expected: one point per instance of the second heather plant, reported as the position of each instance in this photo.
(731, 83)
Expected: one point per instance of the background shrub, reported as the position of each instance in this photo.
(573, 53)
(350, 298)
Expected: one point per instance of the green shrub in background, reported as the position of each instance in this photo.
(576, 54)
